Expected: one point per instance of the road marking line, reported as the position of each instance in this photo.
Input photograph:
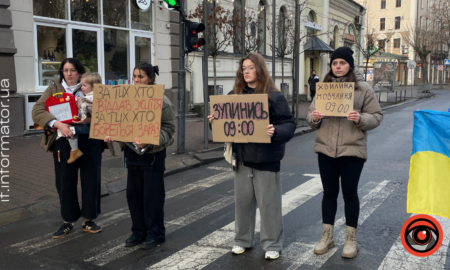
(399, 258)
(44, 242)
(115, 248)
(302, 253)
(216, 244)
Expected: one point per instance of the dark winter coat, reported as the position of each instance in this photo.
(312, 83)
(283, 122)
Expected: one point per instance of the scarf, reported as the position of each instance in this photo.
(72, 89)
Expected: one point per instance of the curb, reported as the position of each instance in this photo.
(199, 159)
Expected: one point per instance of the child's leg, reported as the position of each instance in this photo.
(73, 144)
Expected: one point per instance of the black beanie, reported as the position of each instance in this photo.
(344, 53)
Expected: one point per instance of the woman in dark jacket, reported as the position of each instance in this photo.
(257, 178)
(66, 174)
(313, 79)
(146, 166)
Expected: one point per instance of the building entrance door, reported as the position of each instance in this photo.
(141, 50)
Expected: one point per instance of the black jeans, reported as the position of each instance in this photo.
(313, 93)
(89, 166)
(349, 170)
(146, 196)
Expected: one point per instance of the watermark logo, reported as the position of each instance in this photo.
(421, 235)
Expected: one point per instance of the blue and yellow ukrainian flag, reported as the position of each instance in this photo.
(429, 172)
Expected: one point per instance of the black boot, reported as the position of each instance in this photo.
(150, 243)
(133, 240)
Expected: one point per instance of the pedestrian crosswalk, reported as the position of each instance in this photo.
(209, 249)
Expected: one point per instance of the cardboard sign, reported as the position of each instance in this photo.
(240, 118)
(125, 112)
(335, 99)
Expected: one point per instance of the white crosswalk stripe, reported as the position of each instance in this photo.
(302, 254)
(218, 243)
(40, 243)
(399, 258)
(115, 248)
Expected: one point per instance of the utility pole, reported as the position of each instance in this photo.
(274, 23)
(205, 76)
(181, 89)
(442, 56)
(297, 60)
(243, 28)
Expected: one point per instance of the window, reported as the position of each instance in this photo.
(52, 9)
(262, 28)
(382, 24)
(348, 44)
(115, 13)
(141, 20)
(281, 29)
(397, 22)
(116, 54)
(381, 44)
(84, 11)
(51, 41)
(396, 43)
(237, 29)
(398, 3)
(383, 4)
(310, 31)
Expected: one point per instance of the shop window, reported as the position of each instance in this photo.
(396, 43)
(51, 49)
(115, 13)
(382, 24)
(84, 43)
(116, 54)
(52, 9)
(141, 19)
(397, 22)
(84, 11)
(383, 4)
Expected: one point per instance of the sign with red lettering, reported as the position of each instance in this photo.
(240, 118)
(125, 112)
(335, 98)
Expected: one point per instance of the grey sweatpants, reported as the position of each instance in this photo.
(254, 188)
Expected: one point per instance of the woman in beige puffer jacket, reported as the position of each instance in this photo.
(341, 144)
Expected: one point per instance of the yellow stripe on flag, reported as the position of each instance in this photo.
(429, 184)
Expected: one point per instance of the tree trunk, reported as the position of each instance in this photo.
(424, 71)
(367, 70)
(215, 78)
(282, 75)
(293, 90)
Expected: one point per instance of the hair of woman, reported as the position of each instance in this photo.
(92, 78)
(78, 66)
(149, 70)
(265, 83)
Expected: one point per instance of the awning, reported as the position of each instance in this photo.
(315, 44)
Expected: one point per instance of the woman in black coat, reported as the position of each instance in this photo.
(313, 79)
(257, 177)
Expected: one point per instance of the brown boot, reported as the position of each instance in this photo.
(350, 247)
(74, 155)
(326, 242)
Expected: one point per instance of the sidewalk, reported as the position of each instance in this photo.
(32, 176)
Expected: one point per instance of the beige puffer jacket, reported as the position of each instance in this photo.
(338, 136)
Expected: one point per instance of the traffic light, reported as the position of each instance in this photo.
(192, 40)
(175, 4)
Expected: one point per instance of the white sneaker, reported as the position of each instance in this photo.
(237, 250)
(272, 255)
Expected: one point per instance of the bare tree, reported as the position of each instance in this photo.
(220, 24)
(284, 44)
(423, 39)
